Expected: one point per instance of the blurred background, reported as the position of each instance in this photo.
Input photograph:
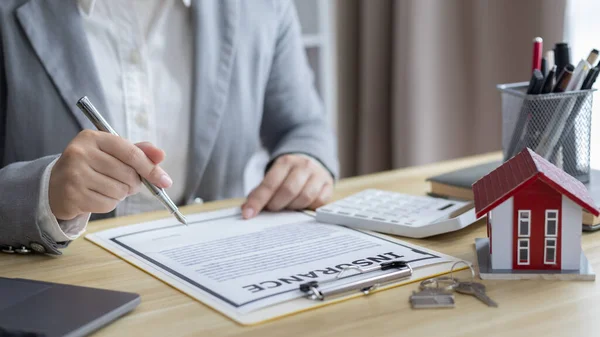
(410, 82)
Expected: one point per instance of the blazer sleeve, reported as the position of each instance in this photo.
(294, 120)
(19, 193)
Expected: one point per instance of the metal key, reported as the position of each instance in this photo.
(477, 290)
(431, 298)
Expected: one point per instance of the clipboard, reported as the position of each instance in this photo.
(109, 240)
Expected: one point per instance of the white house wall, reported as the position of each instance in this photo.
(571, 218)
(502, 235)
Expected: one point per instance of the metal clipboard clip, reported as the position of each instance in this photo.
(315, 290)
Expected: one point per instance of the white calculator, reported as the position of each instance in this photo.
(398, 214)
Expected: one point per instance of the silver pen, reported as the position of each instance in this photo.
(101, 124)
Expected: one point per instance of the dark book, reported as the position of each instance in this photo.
(457, 184)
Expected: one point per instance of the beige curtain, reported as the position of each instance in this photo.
(416, 78)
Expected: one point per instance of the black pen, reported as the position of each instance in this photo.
(562, 56)
(544, 66)
(534, 132)
(549, 81)
(536, 82)
(521, 126)
(566, 138)
(590, 79)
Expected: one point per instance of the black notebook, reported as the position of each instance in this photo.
(457, 184)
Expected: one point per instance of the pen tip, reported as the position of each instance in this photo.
(180, 218)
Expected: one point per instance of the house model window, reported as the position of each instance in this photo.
(523, 251)
(524, 233)
(524, 223)
(551, 222)
(550, 251)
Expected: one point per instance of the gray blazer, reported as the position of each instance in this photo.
(252, 87)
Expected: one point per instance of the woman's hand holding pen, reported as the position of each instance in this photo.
(97, 170)
(295, 181)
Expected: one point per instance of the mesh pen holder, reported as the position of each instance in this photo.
(556, 126)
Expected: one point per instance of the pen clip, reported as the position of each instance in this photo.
(312, 290)
(395, 264)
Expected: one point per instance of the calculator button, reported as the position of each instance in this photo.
(349, 207)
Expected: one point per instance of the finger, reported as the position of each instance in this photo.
(97, 203)
(309, 193)
(260, 196)
(110, 166)
(155, 154)
(290, 189)
(105, 185)
(134, 157)
(324, 196)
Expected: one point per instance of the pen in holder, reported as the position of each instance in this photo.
(556, 126)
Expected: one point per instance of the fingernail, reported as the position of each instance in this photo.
(247, 213)
(165, 181)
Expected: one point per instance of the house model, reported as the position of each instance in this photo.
(534, 217)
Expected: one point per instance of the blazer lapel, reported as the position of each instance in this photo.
(215, 25)
(56, 33)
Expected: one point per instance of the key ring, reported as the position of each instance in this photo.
(444, 283)
(466, 264)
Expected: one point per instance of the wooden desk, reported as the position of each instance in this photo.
(527, 308)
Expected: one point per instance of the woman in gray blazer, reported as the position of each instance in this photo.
(210, 81)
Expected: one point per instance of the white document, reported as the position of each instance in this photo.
(250, 270)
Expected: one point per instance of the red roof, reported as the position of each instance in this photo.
(521, 170)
